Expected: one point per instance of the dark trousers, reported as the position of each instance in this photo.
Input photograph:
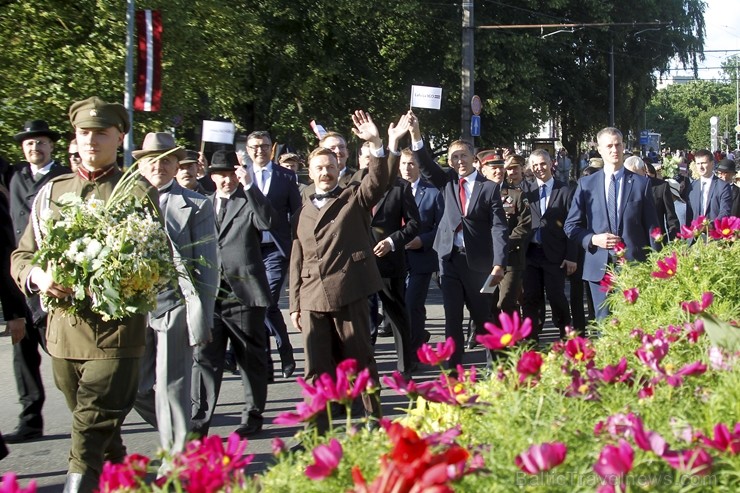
(542, 277)
(276, 268)
(461, 287)
(244, 327)
(99, 393)
(27, 369)
(393, 297)
(331, 337)
(581, 318)
(417, 288)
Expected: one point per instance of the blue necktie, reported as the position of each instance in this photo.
(611, 205)
(543, 208)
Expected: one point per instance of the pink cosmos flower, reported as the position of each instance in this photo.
(694, 307)
(645, 439)
(696, 462)
(724, 440)
(666, 267)
(720, 360)
(631, 295)
(128, 475)
(510, 333)
(326, 459)
(278, 446)
(529, 365)
(656, 234)
(614, 462)
(725, 228)
(694, 330)
(620, 251)
(617, 425)
(579, 350)
(435, 356)
(612, 373)
(205, 465)
(647, 390)
(652, 351)
(580, 387)
(9, 484)
(676, 379)
(687, 232)
(605, 285)
(541, 457)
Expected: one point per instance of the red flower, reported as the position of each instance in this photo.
(656, 234)
(693, 307)
(615, 462)
(206, 466)
(696, 462)
(620, 251)
(631, 295)
(725, 228)
(529, 365)
(723, 440)
(606, 282)
(510, 333)
(128, 475)
(667, 267)
(434, 357)
(326, 459)
(542, 457)
(9, 484)
(579, 350)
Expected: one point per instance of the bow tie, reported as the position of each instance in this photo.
(328, 195)
(95, 175)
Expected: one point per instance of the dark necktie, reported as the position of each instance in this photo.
(221, 210)
(611, 204)
(463, 201)
(543, 209)
(702, 205)
(328, 195)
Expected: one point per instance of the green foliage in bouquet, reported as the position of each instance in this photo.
(115, 255)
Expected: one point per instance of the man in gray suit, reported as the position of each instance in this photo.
(242, 214)
(184, 314)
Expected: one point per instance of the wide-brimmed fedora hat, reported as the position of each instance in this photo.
(223, 161)
(159, 143)
(36, 128)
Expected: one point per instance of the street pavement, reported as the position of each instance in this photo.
(45, 460)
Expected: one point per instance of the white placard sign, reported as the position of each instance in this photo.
(220, 132)
(426, 97)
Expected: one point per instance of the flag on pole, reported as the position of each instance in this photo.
(149, 67)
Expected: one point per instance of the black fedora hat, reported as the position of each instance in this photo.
(223, 161)
(726, 165)
(35, 128)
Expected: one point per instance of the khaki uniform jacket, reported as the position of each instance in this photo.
(332, 262)
(84, 336)
(519, 223)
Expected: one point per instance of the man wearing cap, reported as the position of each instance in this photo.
(184, 314)
(278, 185)
(550, 256)
(514, 167)
(242, 215)
(709, 196)
(726, 172)
(187, 173)
(519, 224)
(95, 362)
(292, 162)
(28, 324)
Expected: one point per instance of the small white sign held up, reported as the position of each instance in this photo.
(219, 132)
(426, 97)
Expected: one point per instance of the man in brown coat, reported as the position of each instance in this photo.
(332, 265)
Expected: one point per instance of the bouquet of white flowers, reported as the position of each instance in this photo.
(115, 255)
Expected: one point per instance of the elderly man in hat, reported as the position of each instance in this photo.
(726, 172)
(95, 362)
(184, 314)
(28, 324)
(243, 213)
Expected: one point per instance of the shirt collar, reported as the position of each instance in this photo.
(167, 187)
(549, 183)
(471, 177)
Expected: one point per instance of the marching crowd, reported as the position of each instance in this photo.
(497, 231)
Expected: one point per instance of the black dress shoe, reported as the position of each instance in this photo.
(472, 343)
(249, 430)
(288, 369)
(427, 336)
(23, 434)
(385, 332)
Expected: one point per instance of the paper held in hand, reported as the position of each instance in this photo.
(487, 286)
(426, 97)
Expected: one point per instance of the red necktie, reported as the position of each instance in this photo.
(462, 203)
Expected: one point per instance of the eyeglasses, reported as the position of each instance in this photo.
(74, 155)
(263, 147)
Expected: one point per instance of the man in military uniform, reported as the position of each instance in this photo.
(95, 362)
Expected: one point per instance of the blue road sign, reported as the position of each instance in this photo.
(475, 126)
(644, 137)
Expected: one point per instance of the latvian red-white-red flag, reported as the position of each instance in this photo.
(149, 68)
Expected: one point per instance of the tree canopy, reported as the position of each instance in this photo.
(278, 64)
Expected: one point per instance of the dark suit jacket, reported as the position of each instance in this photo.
(396, 216)
(239, 238)
(664, 208)
(484, 226)
(719, 198)
(735, 211)
(588, 216)
(555, 243)
(285, 199)
(431, 207)
(23, 189)
(332, 262)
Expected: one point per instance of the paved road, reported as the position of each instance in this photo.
(45, 460)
